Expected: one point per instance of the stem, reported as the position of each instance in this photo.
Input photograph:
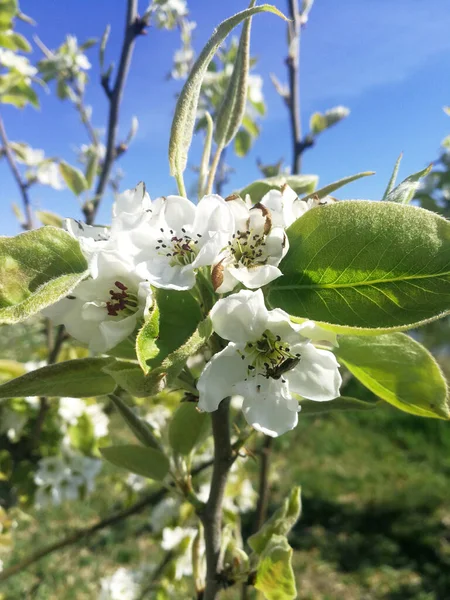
(180, 185)
(78, 535)
(212, 514)
(213, 169)
(22, 185)
(293, 63)
(264, 487)
(133, 28)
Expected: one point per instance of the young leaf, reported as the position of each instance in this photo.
(332, 187)
(393, 179)
(242, 143)
(231, 112)
(147, 462)
(399, 370)
(48, 218)
(317, 123)
(140, 428)
(206, 155)
(91, 169)
(301, 184)
(310, 407)
(130, 377)
(79, 378)
(186, 108)
(8, 9)
(366, 265)
(146, 347)
(37, 268)
(405, 191)
(274, 576)
(280, 523)
(187, 428)
(74, 178)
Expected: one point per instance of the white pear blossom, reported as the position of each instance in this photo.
(21, 64)
(268, 361)
(163, 513)
(104, 309)
(100, 421)
(181, 539)
(254, 251)
(121, 585)
(183, 238)
(158, 417)
(12, 423)
(47, 173)
(71, 409)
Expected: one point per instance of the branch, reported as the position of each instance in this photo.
(80, 534)
(134, 26)
(293, 62)
(22, 185)
(211, 516)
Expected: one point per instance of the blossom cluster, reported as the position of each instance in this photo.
(236, 247)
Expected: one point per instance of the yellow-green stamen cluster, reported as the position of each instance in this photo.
(270, 356)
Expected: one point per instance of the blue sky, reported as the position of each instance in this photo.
(388, 61)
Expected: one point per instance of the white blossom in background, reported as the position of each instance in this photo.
(71, 409)
(121, 585)
(167, 13)
(12, 423)
(21, 64)
(254, 251)
(181, 539)
(158, 417)
(99, 420)
(47, 173)
(163, 513)
(269, 361)
(104, 309)
(183, 238)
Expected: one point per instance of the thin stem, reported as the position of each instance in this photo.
(156, 575)
(213, 170)
(211, 516)
(22, 185)
(180, 185)
(78, 535)
(133, 28)
(264, 487)
(293, 63)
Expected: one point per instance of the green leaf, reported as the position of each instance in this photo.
(20, 94)
(187, 428)
(80, 378)
(10, 369)
(280, 523)
(102, 47)
(146, 347)
(274, 576)
(14, 41)
(130, 377)
(393, 179)
(186, 108)
(37, 268)
(91, 169)
(376, 266)
(249, 125)
(399, 370)
(74, 178)
(317, 123)
(147, 462)
(343, 403)
(48, 218)
(8, 10)
(88, 44)
(332, 187)
(242, 143)
(301, 184)
(232, 109)
(405, 191)
(139, 427)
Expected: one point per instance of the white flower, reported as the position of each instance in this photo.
(99, 420)
(286, 207)
(21, 64)
(254, 251)
(121, 585)
(71, 409)
(168, 12)
(12, 423)
(47, 173)
(157, 418)
(255, 84)
(29, 156)
(163, 513)
(267, 360)
(105, 309)
(184, 237)
(180, 538)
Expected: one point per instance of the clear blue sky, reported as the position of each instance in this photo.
(388, 61)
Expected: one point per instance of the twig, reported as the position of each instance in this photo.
(134, 26)
(156, 575)
(211, 516)
(293, 62)
(264, 484)
(79, 534)
(22, 185)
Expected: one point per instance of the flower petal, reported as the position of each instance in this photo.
(111, 332)
(256, 276)
(177, 212)
(217, 378)
(315, 333)
(317, 376)
(241, 317)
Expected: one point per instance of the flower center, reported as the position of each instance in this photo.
(247, 248)
(270, 355)
(181, 249)
(123, 303)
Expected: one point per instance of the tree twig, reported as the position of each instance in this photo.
(22, 185)
(134, 26)
(211, 516)
(79, 534)
(293, 63)
(156, 575)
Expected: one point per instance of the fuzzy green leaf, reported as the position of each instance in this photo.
(74, 178)
(343, 403)
(274, 576)
(332, 187)
(146, 346)
(147, 462)
(301, 184)
(140, 428)
(186, 108)
(376, 266)
(37, 268)
(399, 370)
(405, 191)
(49, 218)
(393, 179)
(80, 378)
(187, 428)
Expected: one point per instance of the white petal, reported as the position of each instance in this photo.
(268, 408)
(279, 323)
(112, 332)
(219, 375)
(277, 245)
(211, 248)
(256, 276)
(281, 206)
(213, 214)
(177, 212)
(317, 376)
(315, 333)
(241, 317)
(229, 282)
